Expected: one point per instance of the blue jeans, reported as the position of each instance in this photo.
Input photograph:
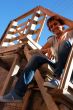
(37, 60)
(34, 63)
(63, 53)
(27, 74)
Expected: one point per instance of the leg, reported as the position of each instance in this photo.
(28, 73)
(35, 62)
(25, 78)
(64, 50)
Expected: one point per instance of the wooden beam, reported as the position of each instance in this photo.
(50, 13)
(23, 24)
(26, 99)
(10, 48)
(5, 33)
(41, 28)
(9, 75)
(26, 14)
(67, 66)
(46, 96)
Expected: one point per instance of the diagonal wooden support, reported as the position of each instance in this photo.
(9, 74)
(47, 97)
(66, 76)
(26, 99)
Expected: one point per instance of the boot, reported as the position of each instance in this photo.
(16, 95)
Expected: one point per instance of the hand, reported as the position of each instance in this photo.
(44, 51)
(49, 54)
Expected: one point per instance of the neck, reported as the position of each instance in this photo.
(58, 35)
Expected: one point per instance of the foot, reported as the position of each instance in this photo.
(54, 83)
(11, 97)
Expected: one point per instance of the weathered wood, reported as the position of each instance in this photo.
(9, 75)
(26, 14)
(26, 99)
(67, 66)
(3, 75)
(9, 48)
(41, 27)
(60, 98)
(5, 33)
(47, 97)
(50, 13)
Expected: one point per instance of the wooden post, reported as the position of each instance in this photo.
(9, 75)
(47, 97)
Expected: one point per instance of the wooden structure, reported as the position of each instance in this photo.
(22, 35)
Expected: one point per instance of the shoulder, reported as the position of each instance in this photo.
(51, 38)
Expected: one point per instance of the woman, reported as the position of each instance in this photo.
(61, 42)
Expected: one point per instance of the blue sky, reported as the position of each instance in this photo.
(11, 9)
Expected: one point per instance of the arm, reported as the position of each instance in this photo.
(50, 13)
(47, 48)
(67, 22)
(48, 44)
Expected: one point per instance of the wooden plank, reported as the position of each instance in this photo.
(59, 97)
(26, 99)
(67, 66)
(3, 75)
(47, 97)
(33, 31)
(24, 23)
(18, 31)
(31, 23)
(9, 75)
(5, 33)
(50, 13)
(27, 14)
(10, 48)
(41, 28)
(20, 37)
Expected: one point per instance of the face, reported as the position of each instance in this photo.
(55, 27)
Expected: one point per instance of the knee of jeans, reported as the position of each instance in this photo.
(35, 58)
(64, 48)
